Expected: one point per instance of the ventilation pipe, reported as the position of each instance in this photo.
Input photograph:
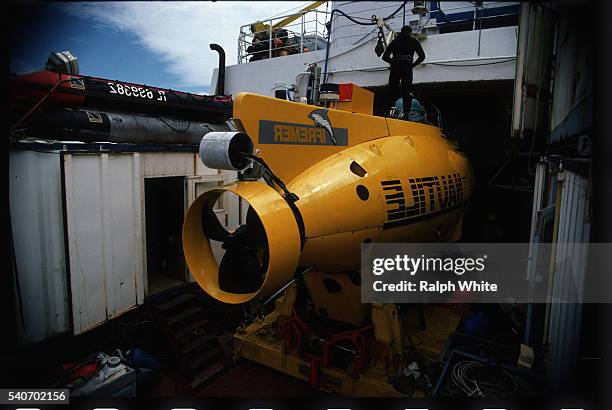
(221, 73)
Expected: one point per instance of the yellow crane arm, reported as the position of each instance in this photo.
(257, 27)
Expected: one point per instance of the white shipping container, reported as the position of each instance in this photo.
(79, 227)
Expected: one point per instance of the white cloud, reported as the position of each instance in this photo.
(180, 32)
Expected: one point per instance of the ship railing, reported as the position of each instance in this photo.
(306, 32)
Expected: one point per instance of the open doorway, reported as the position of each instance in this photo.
(165, 211)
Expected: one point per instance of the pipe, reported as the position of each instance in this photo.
(279, 292)
(221, 73)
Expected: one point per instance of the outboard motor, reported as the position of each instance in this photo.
(63, 62)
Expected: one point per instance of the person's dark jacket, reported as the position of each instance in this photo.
(403, 48)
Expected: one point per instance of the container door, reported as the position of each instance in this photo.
(104, 199)
(37, 228)
(565, 319)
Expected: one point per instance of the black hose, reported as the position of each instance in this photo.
(289, 196)
(396, 11)
(331, 18)
(361, 23)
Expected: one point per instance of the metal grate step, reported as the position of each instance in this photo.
(197, 342)
(179, 317)
(190, 328)
(172, 303)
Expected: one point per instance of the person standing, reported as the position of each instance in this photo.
(400, 54)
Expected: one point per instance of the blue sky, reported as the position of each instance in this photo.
(101, 52)
(163, 44)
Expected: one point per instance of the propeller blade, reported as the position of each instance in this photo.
(240, 272)
(256, 237)
(211, 226)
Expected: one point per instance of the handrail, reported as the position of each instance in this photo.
(307, 29)
(304, 33)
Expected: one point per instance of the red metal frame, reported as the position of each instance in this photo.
(295, 327)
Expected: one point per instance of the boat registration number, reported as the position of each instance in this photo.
(136, 91)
